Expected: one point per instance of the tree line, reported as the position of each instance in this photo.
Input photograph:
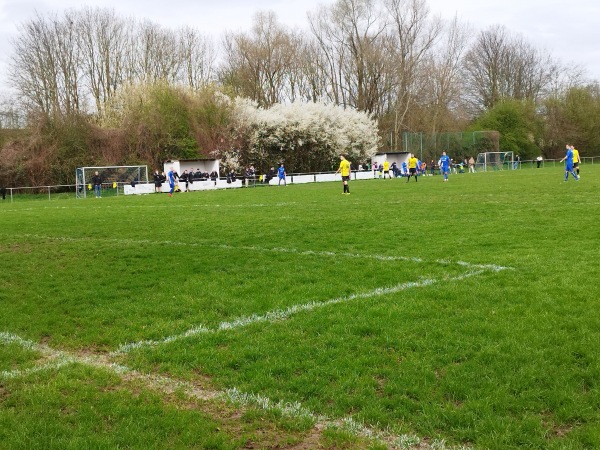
(391, 59)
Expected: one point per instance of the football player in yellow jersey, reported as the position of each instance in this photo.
(412, 167)
(575, 159)
(386, 169)
(344, 169)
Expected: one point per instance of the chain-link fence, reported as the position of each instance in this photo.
(59, 192)
(537, 164)
(460, 145)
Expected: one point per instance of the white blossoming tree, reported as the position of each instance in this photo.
(306, 137)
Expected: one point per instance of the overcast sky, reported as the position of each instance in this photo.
(569, 30)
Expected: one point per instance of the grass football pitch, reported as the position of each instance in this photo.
(405, 315)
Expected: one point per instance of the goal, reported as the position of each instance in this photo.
(495, 161)
(113, 178)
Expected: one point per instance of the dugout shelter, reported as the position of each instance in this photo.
(391, 157)
(203, 165)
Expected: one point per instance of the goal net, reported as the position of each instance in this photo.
(113, 178)
(495, 161)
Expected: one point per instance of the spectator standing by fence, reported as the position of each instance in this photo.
(214, 176)
(471, 165)
(270, 175)
(249, 176)
(157, 177)
(97, 182)
(185, 176)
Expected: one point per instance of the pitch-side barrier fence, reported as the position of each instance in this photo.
(531, 164)
(68, 191)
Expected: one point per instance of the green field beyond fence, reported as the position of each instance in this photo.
(405, 315)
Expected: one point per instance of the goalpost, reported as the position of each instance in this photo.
(495, 161)
(113, 178)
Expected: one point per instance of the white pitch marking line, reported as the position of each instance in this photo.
(58, 364)
(59, 358)
(446, 262)
(207, 205)
(233, 395)
(157, 381)
(296, 410)
(163, 206)
(284, 314)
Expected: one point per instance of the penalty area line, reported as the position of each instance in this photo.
(167, 385)
(385, 258)
(278, 315)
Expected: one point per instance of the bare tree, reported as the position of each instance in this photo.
(103, 41)
(351, 36)
(326, 72)
(309, 79)
(11, 115)
(197, 58)
(68, 57)
(258, 65)
(442, 94)
(45, 65)
(156, 54)
(60, 63)
(413, 37)
(500, 66)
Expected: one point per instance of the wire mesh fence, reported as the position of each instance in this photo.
(460, 145)
(54, 193)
